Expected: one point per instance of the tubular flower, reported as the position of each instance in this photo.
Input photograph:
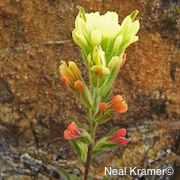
(111, 140)
(118, 138)
(69, 74)
(118, 105)
(73, 132)
(92, 30)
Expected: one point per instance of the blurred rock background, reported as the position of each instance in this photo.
(34, 105)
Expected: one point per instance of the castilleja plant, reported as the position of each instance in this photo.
(103, 43)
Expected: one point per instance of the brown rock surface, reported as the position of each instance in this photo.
(35, 105)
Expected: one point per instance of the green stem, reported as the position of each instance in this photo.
(91, 113)
(88, 162)
(93, 132)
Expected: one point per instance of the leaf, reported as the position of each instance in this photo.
(90, 178)
(105, 97)
(102, 119)
(73, 177)
(106, 178)
(85, 140)
(98, 152)
(75, 146)
(90, 115)
(64, 175)
(109, 80)
(113, 131)
(107, 146)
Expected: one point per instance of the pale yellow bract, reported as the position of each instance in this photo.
(103, 35)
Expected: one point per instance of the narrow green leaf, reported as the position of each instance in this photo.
(98, 152)
(73, 177)
(109, 80)
(85, 140)
(89, 111)
(64, 175)
(103, 119)
(105, 97)
(90, 178)
(106, 178)
(76, 147)
(107, 84)
(113, 131)
(107, 146)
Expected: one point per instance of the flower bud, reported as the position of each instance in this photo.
(113, 62)
(69, 74)
(117, 42)
(102, 106)
(99, 66)
(95, 37)
(79, 85)
(79, 39)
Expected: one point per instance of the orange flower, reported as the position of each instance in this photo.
(118, 138)
(72, 131)
(118, 105)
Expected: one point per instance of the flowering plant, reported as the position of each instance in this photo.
(103, 43)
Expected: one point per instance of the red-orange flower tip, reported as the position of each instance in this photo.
(118, 138)
(79, 85)
(124, 59)
(102, 106)
(72, 131)
(65, 81)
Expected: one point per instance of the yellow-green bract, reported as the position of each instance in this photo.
(102, 40)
